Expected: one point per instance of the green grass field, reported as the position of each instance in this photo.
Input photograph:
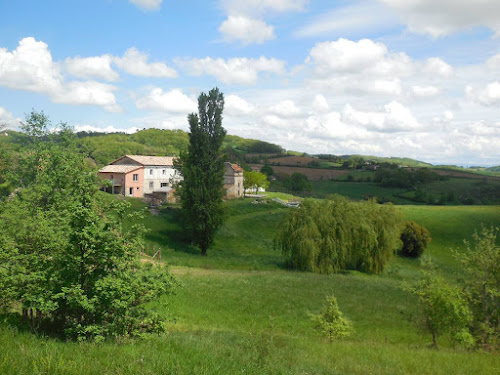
(238, 311)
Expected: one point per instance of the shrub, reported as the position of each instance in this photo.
(415, 239)
(331, 320)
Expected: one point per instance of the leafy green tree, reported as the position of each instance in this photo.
(331, 320)
(298, 182)
(74, 269)
(444, 309)
(332, 235)
(267, 170)
(481, 281)
(202, 167)
(255, 180)
(415, 239)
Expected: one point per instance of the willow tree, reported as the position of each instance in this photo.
(332, 235)
(202, 167)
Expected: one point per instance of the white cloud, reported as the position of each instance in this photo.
(435, 65)
(358, 17)
(30, 67)
(173, 101)
(285, 108)
(487, 96)
(443, 17)
(260, 7)
(245, 22)
(246, 30)
(107, 129)
(425, 91)
(364, 56)
(320, 104)
(90, 93)
(395, 118)
(235, 106)
(136, 63)
(8, 119)
(239, 70)
(147, 4)
(91, 67)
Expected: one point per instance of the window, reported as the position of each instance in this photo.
(135, 177)
(151, 185)
(164, 172)
(111, 177)
(150, 171)
(164, 184)
(131, 191)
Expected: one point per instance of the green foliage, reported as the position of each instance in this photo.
(297, 183)
(69, 261)
(415, 239)
(332, 235)
(403, 177)
(331, 320)
(202, 167)
(255, 180)
(481, 282)
(267, 170)
(444, 309)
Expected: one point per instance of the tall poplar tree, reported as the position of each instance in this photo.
(202, 167)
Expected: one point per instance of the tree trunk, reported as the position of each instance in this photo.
(204, 252)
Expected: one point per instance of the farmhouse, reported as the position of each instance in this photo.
(139, 175)
(155, 176)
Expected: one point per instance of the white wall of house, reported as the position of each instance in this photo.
(158, 178)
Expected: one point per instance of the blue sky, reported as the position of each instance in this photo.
(416, 78)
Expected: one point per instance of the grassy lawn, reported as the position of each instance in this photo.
(238, 311)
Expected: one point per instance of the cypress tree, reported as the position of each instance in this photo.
(202, 167)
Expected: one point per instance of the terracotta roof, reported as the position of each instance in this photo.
(235, 167)
(119, 168)
(151, 160)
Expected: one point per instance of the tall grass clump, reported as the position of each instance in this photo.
(335, 234)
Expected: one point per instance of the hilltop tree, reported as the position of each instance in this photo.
(255, 180)
(202, 167)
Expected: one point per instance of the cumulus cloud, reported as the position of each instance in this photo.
(239, 70)
(437, 66)
(91, 67)
(246, 30)
(8, 119)
(395, 118)
(173, 101)
(425, 91)
(136, 63)
(347, 56)
(235, 106)
(106, 129)
(245, 24)
(320, 104)
(285, 109)
(487, 96)
(147, 4)
(30, 67)
(444, 17)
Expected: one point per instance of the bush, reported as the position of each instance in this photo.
(415, 239)
(331, 321)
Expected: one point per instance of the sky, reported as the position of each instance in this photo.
(402, 78)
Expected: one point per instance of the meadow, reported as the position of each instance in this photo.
(238, 310)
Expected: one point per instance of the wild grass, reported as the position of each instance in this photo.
(239, 311)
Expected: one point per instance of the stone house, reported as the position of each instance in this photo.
(233, 180)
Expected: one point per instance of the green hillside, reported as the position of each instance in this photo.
(239, 311)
